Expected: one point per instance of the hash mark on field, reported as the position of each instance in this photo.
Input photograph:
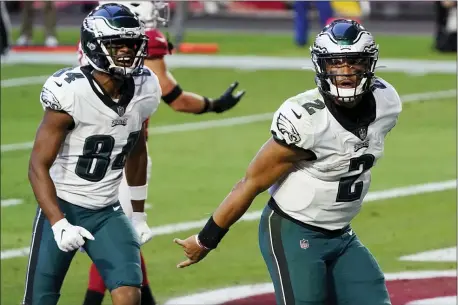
(241, 120)
(11, 202)
(251, 216)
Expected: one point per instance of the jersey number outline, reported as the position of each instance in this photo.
(344, 192)
(93, 164)
(70, 75)
(377, 85)
(317, 104)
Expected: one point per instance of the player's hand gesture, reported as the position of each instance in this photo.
(193, 250)
(227, 100)
(141, 227)
(69, 237)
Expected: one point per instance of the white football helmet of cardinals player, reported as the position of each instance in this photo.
(344, 43)
(152, 13)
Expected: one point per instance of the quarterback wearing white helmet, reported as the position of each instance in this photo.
(324, 143)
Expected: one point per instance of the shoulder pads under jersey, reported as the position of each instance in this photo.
(294, 123)
(57, 92)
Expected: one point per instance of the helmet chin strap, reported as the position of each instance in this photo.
(346, 95)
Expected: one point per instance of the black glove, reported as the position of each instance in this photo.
(225, 101)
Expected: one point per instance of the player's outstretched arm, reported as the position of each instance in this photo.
(184, 101)
(135, 171)
(48, 140)
(271, 162)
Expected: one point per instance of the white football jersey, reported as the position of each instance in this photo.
(328, 192)
(89, 165)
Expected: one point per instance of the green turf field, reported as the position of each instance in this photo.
(194, 170)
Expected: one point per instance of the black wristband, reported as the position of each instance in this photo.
(207, 104)
(211, 234)
(172, 95)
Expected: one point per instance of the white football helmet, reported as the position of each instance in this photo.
(152, 13)
(344, 40)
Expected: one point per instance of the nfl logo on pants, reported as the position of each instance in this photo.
(304, 243)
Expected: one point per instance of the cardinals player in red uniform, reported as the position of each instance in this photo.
(153, 14)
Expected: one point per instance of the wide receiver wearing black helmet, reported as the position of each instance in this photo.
(113, 40)
(344, 56)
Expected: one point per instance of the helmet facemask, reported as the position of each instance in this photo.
(346, 77)
(125, 56)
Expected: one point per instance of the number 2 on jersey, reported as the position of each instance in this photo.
(93, 164)
(344, 193)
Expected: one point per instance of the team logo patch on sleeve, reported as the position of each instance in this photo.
(49, 100)
(287, 129)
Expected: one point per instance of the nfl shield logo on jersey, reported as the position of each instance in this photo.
(304, 243)
(362, 133)
(121, 111)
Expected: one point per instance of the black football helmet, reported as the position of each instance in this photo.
(114, 41)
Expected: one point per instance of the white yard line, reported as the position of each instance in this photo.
(251, 216)
(438, 255)
(24, 81)
(10, 202)
(241, 120)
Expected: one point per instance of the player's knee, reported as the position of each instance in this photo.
(124, 275)
(126, 295)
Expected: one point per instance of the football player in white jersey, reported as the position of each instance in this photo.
(155, 13)
(93, 128)
(317, 167)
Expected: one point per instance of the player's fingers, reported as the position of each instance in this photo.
(185, 263)
(63, 248)
(86, 234)
(73, 245)
(179, 242)
(232, 87)
(79, 241)
(239, 95)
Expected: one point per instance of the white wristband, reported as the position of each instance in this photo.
(138, 192)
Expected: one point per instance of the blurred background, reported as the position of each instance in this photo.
(434, 18)
(409, 218)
